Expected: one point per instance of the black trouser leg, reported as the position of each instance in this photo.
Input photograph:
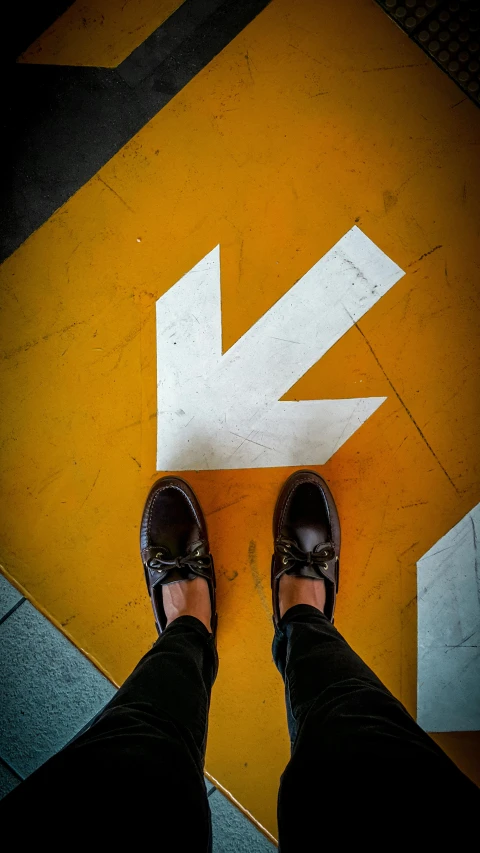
(360, 768)
(142, 759)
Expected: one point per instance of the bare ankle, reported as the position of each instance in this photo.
(294, 590)
(188, 598)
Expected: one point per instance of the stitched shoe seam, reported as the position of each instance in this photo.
(290, 495)
(152, 504)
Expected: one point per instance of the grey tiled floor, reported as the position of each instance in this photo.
(49, 691)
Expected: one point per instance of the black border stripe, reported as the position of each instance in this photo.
(64, 123)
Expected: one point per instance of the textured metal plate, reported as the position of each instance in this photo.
(449, 31)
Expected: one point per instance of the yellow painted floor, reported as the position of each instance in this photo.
(100, 33)
(300, 128)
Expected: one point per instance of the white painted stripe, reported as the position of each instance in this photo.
(219, 411)
(448, 586)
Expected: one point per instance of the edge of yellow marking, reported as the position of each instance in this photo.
(99, 33)
(37, 604)
(241, 808)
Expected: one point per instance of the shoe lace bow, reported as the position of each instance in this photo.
(291, 554)
(193, 562)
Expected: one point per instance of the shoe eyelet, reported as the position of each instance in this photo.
(284, 560)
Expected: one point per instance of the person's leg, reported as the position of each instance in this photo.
(360, 768)
(357, 755)
(143, 757)
(145, 751)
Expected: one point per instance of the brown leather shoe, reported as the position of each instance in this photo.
(174, 543)
(306, 535)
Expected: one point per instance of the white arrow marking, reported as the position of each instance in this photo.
(448, 587)
(223, 411)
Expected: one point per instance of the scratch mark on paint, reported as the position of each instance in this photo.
(225, 506)
(250, 441)
(394, 67)
(257, 580)
(248, 65)
(446, 274)
(425, 255)
(305, 53)
(135, 460)
(91, 488)
(400, 445)
(458, 102)
(449, 648)
(402, 553)
(126, 340)
(339, 442)
(436, 553)
(407, 410)
(405, 182)
(73, 252)
(116, 194)
(49, 480)
(407, 605)
(257, 457)
(24, 347)
(385, 640)
(127, 426)
(462, 642)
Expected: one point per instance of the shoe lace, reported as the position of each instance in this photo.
(195, 561)
(290, 554)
